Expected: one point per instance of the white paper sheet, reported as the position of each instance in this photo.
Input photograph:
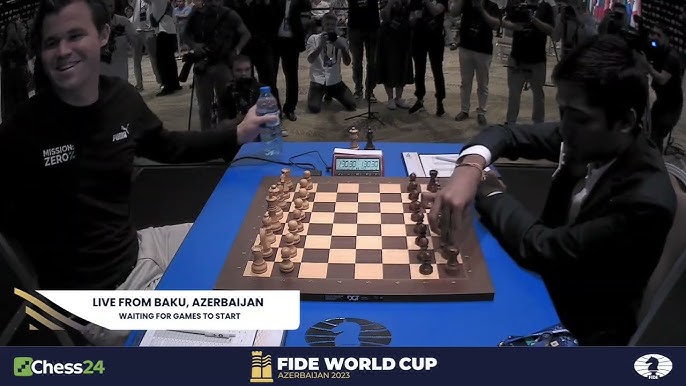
(199, 338)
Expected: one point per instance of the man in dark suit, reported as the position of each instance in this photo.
(290, 43)
(610, 205)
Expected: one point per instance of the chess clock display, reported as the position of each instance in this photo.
(358, 164)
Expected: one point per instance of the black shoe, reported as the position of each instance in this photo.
(481, 119)
(291, 116)
(440, 111)
(418, 106)
(461, 116)
(165, 91)
(358, 94)
(372, 98)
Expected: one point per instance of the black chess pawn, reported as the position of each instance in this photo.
(451, 257)
(417, 217)
(432, 186)
(370, 140)
(426, 268)
(412, 185)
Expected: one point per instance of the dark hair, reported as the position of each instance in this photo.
(605, 66)
(329, 16)
(242, 59)
(49, 7)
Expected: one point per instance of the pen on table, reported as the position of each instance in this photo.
(209, 334)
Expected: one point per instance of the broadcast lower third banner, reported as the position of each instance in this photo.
(183, 310)
(358, 366)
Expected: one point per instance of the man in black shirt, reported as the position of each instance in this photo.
(476, 51)
(66, 158)
(667, 72)
(242, 92)
(363, 34)
(532, 22)
(426, 19)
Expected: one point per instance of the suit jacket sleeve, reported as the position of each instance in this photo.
(541, 248)
(534, 142)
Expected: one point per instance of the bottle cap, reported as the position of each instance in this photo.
(265, 89)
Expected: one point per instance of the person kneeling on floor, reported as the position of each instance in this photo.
(325, 52)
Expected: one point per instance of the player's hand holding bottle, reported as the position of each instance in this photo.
(449, 215)
(249, 127)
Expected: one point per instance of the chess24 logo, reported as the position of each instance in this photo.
(653, 366)
(27, 367)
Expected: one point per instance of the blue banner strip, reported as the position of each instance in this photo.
(349, 366)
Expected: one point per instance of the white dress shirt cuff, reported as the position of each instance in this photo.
(478, 150)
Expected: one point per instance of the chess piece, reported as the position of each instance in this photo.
(288, 252)
(303, 196)
(422, 242)
(299, 217)
(414, 195)
(426, 268)
(274, 220)
(451, 257)
(259, 265)
(266, 225)
(419, 230)
(287, 180)
(412, 185)
(432, 186)
(265, 245)
(293, 228)
(417, 217)
(415, 206)
(278, 202)
(308, 177)
(354, 137)
(272, 203)
(283, 198)
(297, 202)
(302, 184)
(370, 140)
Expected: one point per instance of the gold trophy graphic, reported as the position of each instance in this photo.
(261, 368)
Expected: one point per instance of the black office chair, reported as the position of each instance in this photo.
(16, 272)
(661, 316)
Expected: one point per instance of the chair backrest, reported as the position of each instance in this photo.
(16, 272)
(665, 284)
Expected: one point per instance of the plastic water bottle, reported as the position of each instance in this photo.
(270, 134)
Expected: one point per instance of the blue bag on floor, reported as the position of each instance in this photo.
(554, 336)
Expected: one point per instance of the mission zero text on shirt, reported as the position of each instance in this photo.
(59, 154)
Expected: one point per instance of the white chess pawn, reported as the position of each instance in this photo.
(303, 196)
(293, 228)
(288, 252)
(266, 225)
(298, 203)
(265, 245)
(308, 177)
(299, 217)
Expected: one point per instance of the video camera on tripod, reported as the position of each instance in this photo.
(637, 38)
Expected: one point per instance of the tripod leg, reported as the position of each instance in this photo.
(190, 110)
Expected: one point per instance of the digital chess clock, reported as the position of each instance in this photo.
(357, 163)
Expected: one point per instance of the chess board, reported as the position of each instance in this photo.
(357, 243)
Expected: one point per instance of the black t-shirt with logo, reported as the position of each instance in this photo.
(363, 15)
(475, 33)
(529, 45)
(670, 93)
(428, 24)
(67, 175)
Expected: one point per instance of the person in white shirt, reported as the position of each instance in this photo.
(325, 51)
(114, 60)
(146, 35)
(162, 20)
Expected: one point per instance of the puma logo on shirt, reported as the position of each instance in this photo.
(123, 134)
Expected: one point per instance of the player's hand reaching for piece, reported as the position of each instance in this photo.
(450, 211)
(249, 128)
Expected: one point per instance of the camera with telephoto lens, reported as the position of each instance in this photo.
(637, 38)
(199, 60)
(521, 13)
(108, 50)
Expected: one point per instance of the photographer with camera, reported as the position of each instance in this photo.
(114, 58)
(616, 21)
(325, 51)
(217, 35)
(532, 22)
(664, 66)
(241, 93)
(573, 25)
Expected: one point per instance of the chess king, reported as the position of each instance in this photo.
(610, 204)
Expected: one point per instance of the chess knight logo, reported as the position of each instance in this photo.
(653, 366)
(261, 368)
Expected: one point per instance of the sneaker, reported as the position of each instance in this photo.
(481, 119)
(402, 103)
(391, 104)
(418, 106)
(461, 116)
(440, 111)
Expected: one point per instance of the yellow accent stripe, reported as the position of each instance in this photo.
(42, 319)
(32, 327)
(47, 309)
